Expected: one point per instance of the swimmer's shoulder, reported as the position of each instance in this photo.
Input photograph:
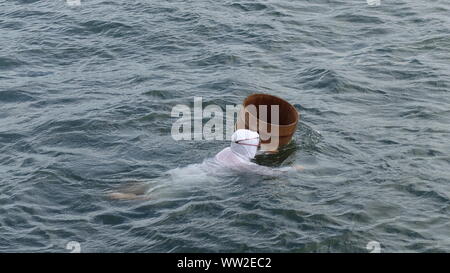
(224, 153)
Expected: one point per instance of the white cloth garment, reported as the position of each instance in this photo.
(234, 159)
(244, 145)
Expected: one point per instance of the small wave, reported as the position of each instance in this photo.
(249, 6)
(359, 19)
(106, 28)
(10, 63)
(159, 94)
(15, 96)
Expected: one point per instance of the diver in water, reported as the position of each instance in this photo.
(234, 159)
(243, 148)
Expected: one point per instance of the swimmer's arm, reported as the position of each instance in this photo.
(127, 196)
(263, 170)
(135, 191)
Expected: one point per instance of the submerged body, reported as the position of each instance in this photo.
(235, 159)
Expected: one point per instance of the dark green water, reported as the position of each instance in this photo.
(85, 100)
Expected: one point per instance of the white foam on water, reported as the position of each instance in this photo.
(73, 2)
(373, 3)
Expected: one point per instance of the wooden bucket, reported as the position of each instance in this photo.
(273, 134)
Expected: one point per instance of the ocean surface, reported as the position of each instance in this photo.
(86, 94)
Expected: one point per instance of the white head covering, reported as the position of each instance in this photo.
(244, 136)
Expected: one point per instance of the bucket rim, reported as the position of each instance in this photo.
(297, 118)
